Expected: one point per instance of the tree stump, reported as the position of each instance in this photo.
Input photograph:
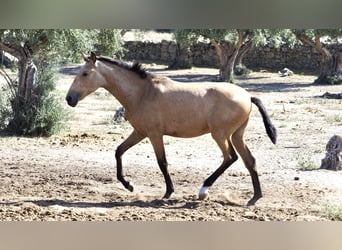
(333, 156)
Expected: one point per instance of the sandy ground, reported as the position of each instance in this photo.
(71, 176)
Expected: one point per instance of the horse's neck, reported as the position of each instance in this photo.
(124, 85)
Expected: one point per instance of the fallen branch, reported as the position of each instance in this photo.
(332, 95)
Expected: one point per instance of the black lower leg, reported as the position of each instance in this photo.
(169, 186)
(119, 174)
(256, 186)
(212, 178)
(132, 140)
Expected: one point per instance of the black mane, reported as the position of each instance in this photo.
(136, 67)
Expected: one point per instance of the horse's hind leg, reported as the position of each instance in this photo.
(249, 162)
(132, 140)
(159, 150)
(229, 157)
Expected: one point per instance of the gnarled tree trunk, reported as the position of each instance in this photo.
(27, 73)
(24, 96)
(331, 64)
(331, 68)
(242, 52)
(227, 53)
(27, 69)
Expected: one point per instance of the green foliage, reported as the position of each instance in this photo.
(5, 112)
(331, 34)
(333, 212)
(109, 42)
(259, 36)
(67, 44)
(334, 80)
(218, 34)
(41, 115)
(307, 164)
(64, 45)
(241, 70)
(185, 37)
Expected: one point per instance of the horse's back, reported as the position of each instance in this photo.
(220, 93)
(203, 96)
(231, 91)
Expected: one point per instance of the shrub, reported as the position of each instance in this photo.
(240, 70)
(334, 80)
(307, 164)
(333, 212)
(40, 115)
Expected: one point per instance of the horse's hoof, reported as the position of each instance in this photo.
(167, 195)
(252, 201)
(130, 187)
(203, 193)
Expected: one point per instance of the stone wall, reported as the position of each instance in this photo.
(299, 58)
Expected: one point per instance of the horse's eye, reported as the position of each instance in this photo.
(85, 74)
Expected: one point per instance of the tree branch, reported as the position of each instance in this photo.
(305, 40)
(12, 49)
(218, 50)
(318, 42)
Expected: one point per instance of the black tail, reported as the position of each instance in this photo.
(270, 129)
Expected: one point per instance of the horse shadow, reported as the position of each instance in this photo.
(155, 203)
(275, 87)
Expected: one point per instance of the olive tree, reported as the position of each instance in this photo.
(184, 39)
(35, 50)
(231, 45)
(331, 62)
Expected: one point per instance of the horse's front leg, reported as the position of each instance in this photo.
(132, 140)
(158, 146)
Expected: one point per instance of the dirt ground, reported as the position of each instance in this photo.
(71, 176)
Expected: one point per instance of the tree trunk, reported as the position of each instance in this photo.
(27, 69)
(242, 52)
(27, 75)
(331, 65)
(331, 69)
(25, 97)
(226, 54)
(182, 59)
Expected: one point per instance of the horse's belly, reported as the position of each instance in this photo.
(187, 129)
(187, 134)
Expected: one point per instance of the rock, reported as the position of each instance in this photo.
(250, 215)
(285, 72)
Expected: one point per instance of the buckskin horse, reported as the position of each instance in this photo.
(157, 106)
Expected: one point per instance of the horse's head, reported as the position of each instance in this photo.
(87, 81)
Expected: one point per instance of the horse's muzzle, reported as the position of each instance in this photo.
(72, 100)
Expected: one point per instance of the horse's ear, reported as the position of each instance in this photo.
(93, 57)
(85, 58)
